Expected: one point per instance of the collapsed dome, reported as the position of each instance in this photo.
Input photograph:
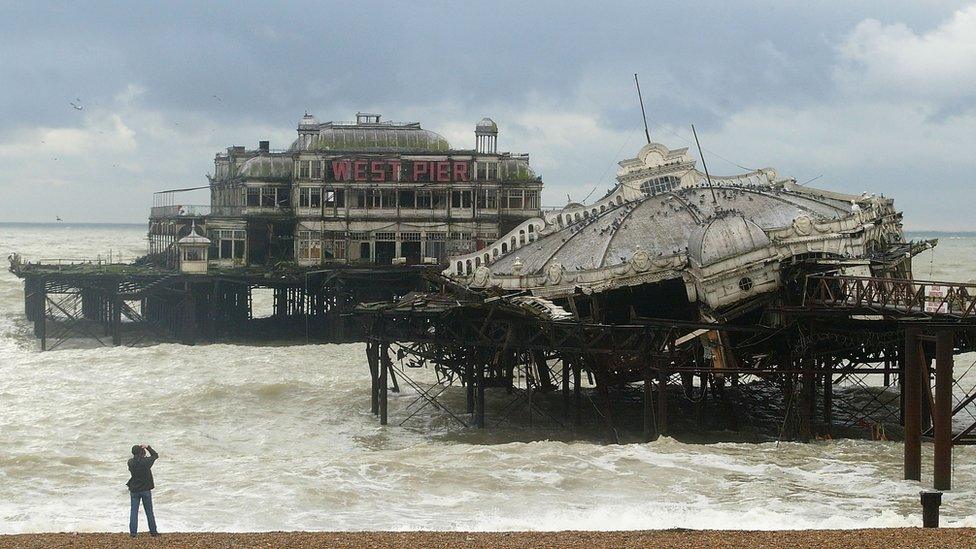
(727, 235)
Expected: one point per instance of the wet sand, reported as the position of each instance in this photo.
(881, 538)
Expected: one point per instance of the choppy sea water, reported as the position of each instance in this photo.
(281, 438)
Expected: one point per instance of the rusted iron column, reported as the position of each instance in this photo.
(604, 390)
(372, 360)
(944, 343)
(565, 387)
(649, 426)
(807, 392)
(577, 392)
(469, 387)
(913, 401)
(662, 398)
(479, 408)
(385, 365)
(40, 313)
(828, 396)
(116, 318)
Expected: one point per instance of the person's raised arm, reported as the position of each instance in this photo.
(152, 454)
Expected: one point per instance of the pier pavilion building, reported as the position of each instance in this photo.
(364, 192)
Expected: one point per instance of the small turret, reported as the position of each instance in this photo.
(486, 136)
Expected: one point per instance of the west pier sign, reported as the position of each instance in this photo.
(414, 171)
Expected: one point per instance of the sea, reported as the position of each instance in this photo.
(280, 437)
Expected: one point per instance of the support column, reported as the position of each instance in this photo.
(116, 318)
(479, 409)
(604, 390)
(372, 359)
(806, 403)
(649, 426)
(942, 414)
(662, 398)
(913, 401)
(828, 396)
(383, 392)
(40, 312)
(577, 392)
(469, 387)
(565, 388)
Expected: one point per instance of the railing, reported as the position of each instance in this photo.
(196, 210)
(905, 296)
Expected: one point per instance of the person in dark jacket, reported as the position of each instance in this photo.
(140, 486)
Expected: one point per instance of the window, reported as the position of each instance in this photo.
(492, 171)
(269, 197)
(310, 197)
(440, 199)
(482, 170)
(659, 184)
(309, 246)
(487, 199)
(357, 198)
(316, 169)
(192, 254)
(407, 199)
(388, 198)
(424, 201)
(515, 201)
(303, 168)
(460, 199)
(227, 244)
(253, 196)
(531, 200)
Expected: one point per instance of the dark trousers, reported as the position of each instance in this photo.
(146, 498)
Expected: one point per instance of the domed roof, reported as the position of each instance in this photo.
(486, 125)
(727, 235)
(665, 225)
(266, 167)
(194, 238)
(308, 120)
(373, 137)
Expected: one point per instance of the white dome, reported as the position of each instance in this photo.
(486, 125)
(727, 235)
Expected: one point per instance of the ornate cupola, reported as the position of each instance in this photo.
(486, 136)
(193, 249)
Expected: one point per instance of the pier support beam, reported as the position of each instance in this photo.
(942, 414)
(662, 399)
(577, 393)
(372, 358)
(469, 388)
(479, 408)
(913, 401)
(385, 365)
(649, 427)
(40, 313)
(116, 318)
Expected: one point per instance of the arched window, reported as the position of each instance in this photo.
(531, 228)
(620, 199)
(586, 214)
(603, 208)
(487, 258)
(594, 212)
(577, 216)
(467, 265)
(514, 243)
(504, 248)
(522, 239)
(460, 268)
(477, 262)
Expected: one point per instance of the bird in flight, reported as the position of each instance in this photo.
(77, 105)
(59, 217)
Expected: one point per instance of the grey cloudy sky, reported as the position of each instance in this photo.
(877, 96)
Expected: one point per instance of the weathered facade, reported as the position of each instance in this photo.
(368, 192)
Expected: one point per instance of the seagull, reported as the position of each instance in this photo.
(59, 217)
(217, 98)
(78, 106)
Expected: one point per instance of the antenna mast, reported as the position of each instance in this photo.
(702, 155)
(647, 134)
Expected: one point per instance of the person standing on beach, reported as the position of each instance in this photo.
(140, 487)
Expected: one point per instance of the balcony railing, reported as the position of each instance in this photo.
(196, 210)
